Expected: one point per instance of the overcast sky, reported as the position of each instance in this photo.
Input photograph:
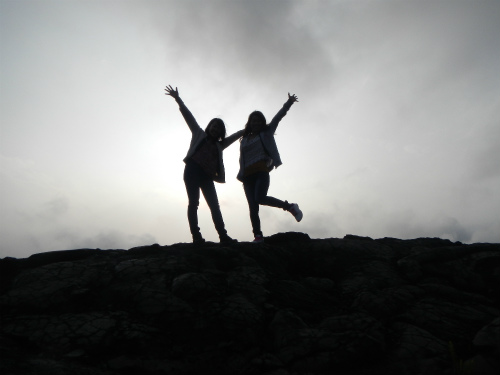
(396, 132)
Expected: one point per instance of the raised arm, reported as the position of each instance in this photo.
(282, 112)
(173, 93)
(186, 113)
(293, 98)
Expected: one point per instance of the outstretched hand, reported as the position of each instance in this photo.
(170, 91)
(293, 98)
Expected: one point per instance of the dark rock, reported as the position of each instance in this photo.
(292, 305)
(359, 238)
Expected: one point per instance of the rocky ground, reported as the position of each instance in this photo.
(292, 305)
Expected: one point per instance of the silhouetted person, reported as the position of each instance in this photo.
(258, 156)
(204, 165)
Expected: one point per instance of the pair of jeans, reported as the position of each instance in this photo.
(256, 186)
(195, 180)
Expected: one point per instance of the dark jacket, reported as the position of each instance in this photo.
(198, 135)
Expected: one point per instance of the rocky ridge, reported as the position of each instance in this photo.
(292, 305)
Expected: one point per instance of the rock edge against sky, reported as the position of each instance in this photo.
(292, 305)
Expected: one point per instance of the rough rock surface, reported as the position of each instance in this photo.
(292, 305)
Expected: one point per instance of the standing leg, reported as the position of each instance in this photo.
(249, 187)
(192, 182)
(210, 194)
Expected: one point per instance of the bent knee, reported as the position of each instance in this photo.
(260, 199)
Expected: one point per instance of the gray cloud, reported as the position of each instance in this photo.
(113, 239)
(485, 160)
(54, 209)
(451, 228)
(407, 224)
(316, 224)
(263, 41)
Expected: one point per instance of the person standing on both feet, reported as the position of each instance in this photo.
(258, 156)
(204, 165)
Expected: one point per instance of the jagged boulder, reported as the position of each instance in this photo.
(291, 305)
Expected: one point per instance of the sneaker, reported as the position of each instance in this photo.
(258, 238)
(296, 212)
(227, 240)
